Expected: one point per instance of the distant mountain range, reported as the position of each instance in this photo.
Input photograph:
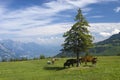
(110, 46)
(13, 49)
(5, 53)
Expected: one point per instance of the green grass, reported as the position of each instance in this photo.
(107, 68)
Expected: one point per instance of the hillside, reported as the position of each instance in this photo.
(110, 46)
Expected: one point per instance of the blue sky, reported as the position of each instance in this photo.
(45, 21)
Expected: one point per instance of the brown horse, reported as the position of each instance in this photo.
(86, 59)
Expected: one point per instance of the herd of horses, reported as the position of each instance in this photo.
(71, 62)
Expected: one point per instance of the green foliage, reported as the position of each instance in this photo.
(36, 58)
(88, 54)
(42, 56)
(108, 47)
(4, 60)
(62, 56)
(118, 54)
(24, 59)
(19, 59)
(78, 38)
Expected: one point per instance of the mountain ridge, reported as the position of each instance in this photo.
(107, 47)
(16, 49)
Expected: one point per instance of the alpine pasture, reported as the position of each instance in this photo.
(107, 68)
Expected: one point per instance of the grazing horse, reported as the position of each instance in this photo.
(66, 64)
(86, 59)
(70, 62)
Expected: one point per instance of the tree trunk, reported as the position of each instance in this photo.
(78, 62)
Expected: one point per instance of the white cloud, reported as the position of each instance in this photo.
(98, 16)
(81, 3)
(117, 9)
(48, 30)
(110, 0)
(34, 20)
(51, 40)
(104, 27)
(103, 31)
(37, 21)
(2, 10)
(48, 34)
(115, 31)
(105, 34)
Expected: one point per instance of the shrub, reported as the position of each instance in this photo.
(63, 56)
(42, 56)
(24, 59)
(118, 54)
(35, 58)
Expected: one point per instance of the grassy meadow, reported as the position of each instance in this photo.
(107, 68)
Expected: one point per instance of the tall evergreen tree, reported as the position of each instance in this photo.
(78, 38)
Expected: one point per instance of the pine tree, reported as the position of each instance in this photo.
(78, 39)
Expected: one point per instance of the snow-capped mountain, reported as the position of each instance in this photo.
(5, 53)
(17, 49)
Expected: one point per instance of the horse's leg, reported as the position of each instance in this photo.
(85, 62)
(92, 62)
(69, 65)
(72, 65)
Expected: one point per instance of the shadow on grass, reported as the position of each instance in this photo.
(54, 68)
(88, 65)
